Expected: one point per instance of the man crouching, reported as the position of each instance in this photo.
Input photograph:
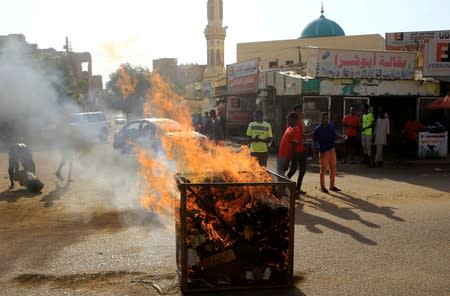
(19, 153)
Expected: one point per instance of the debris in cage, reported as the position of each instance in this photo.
(234, 234)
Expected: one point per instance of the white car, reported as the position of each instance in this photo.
(90, 125)
(148, 132)
(120, 119)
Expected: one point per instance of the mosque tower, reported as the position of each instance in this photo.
(215, 36)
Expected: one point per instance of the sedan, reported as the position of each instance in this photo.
(147, 132)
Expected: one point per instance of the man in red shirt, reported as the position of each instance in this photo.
(411, 128)
(288, 143)
(351, 125)
(300, 157)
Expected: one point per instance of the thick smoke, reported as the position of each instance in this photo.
(34, 112)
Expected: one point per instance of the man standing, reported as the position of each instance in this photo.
(411, 128)
(216, 127)
(288, 144)
(300, 158)
(351, 125)
(324, 140)
(206, 124)
(366, 133)
(259, 133)
(382, 130)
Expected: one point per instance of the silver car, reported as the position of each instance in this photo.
(147, 132)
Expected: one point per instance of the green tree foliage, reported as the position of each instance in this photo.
(131, 84)
(67, 85)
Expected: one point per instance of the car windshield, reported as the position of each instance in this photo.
(75, 118)
(170, 126)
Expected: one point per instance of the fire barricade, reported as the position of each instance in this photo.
(235, 235)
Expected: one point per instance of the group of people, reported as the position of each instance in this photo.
(359, 131)
(292, 155)
(367, 131)
(211, 125)
(371, 129)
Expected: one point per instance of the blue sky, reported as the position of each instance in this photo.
(138, 31)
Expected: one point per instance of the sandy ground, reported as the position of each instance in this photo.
(386, 233)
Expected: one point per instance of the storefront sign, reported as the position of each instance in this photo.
(243, 77)
(374, 87)
(334, 63)
(239, 109)
(413, 41)
(432, 144)
(208, 89)
(437, 58)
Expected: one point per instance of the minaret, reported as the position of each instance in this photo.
(215, 36)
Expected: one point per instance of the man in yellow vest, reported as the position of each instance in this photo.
(259, 133)
(366, 133)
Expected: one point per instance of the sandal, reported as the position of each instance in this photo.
(323, 189)
(335, 189)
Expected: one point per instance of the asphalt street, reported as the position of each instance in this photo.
(386, 233)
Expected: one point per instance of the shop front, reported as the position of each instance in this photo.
(241, 99)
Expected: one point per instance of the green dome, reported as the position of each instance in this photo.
(322, 27)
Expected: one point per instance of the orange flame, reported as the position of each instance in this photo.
(126, 83)
(195, 156)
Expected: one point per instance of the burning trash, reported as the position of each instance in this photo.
(235, 234)
(234, 219)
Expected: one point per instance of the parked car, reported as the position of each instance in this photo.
(120, 119)
(91, 125)
(148, 132)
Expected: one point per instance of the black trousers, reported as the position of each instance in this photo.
(299, 161)
(261, 157)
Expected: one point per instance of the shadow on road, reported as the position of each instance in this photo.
(341, 212)
(14, 195)
(366, 206)
(311, 222)
(50, 197)
(294, 291)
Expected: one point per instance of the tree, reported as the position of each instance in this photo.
(131, 83)
(69, 87)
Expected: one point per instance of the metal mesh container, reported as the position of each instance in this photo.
(235, 235)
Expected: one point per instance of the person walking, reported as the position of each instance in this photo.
(352, 124)
(259, 133)
(324, 141)
(366, 133)
(382, 130)
(300, 157)
(288, 143)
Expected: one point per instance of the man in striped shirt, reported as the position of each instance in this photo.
(259, 133)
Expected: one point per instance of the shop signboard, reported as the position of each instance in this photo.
(413, 41)
(340, 63)
(437, 58)
(239, 109)
(242, 78)
(432, 145)
(378, 87)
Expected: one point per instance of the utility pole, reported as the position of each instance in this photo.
(67, 45)
(299, 55)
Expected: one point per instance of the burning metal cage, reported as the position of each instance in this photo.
(235, 235)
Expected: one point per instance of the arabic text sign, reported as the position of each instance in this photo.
(333, 63)
(243, 77)
(437, 58)
(413, 41)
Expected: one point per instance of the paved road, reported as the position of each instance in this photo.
(387, 233)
